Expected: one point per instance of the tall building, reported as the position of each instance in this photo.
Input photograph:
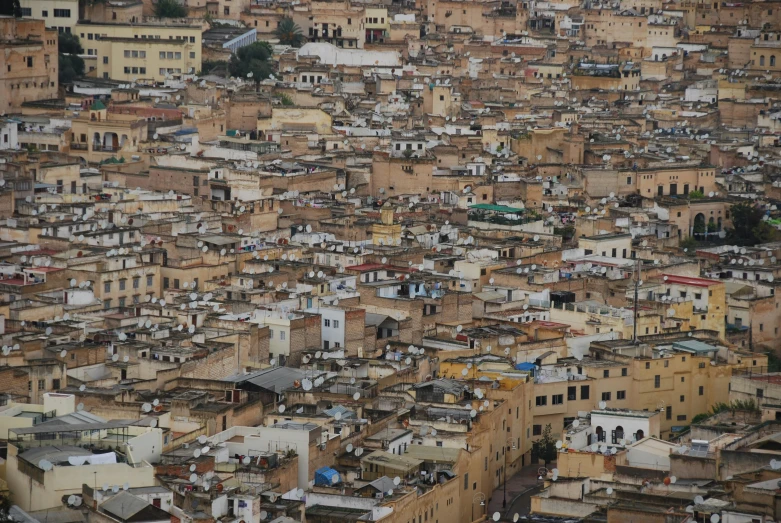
(28, 62)
(142, 51)
(61, 15)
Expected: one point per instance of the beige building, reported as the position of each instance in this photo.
(61, 15)
(98, 134)
(142, 51)
(28, 61)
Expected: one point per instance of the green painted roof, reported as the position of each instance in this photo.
(497, 208)
(97, 106)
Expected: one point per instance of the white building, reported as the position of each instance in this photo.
(9, 136)
(332, 325)
(281, 437)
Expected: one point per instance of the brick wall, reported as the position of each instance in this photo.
(216, 365)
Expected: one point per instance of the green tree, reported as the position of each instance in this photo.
(284, 98)
(690, 244)
(700, 417)
(251, 62)
(69, 43)
(748, 228)
(71, 67)
(696, 195)
(545, 447)
(170, 9)
(5, 507)
(11, 8)
(289, 33)
(209, 65)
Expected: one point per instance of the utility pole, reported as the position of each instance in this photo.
(637, 285)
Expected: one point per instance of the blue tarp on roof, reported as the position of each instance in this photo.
(326, 476)
(524, 366)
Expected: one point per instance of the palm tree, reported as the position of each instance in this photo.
(289, 33)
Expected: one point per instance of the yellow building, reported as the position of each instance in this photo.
(295, 119)
(143, 51)
(56, 14)
(683, 376)
(377, 24)
(98, 134)
(387, 232)
(698, 303)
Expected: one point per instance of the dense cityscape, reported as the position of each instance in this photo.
(392, 261)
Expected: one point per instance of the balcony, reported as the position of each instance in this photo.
(79, 147)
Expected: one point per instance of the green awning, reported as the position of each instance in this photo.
(496, 208)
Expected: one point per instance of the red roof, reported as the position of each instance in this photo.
(687, 280)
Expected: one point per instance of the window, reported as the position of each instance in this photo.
(571, 393)
(127, 53)
(466, 481)
(122, 302)
(557, 399)
(606, 373)
(55, 383)
(45, 13)
(336, 324)
(105, 59)
(624, 371)
(605, 396)
(178, 56)
(192, 39)
(136, 282)
(122, 285)
(29, 61)
(41, 384)
(192, 55)
(647, 364)
(541, 401)
(683, 398)
(162, 55)
(760, 393)
(62, 13)
(657, 381)
(27, 11)
(584, 392)
(142, 70)
(327, 323)
(668, 412)
(166, 282)
(702, 365)
(681, 417)
(107, 287)
(282, 335)
(150, 281)
(536, 430)
(621, 395)
(702, 390)
(271, 334)
(106, 304)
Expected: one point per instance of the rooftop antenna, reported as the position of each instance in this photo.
(634, 306)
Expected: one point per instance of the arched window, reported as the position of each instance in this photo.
(773, 61)
(762, 60)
